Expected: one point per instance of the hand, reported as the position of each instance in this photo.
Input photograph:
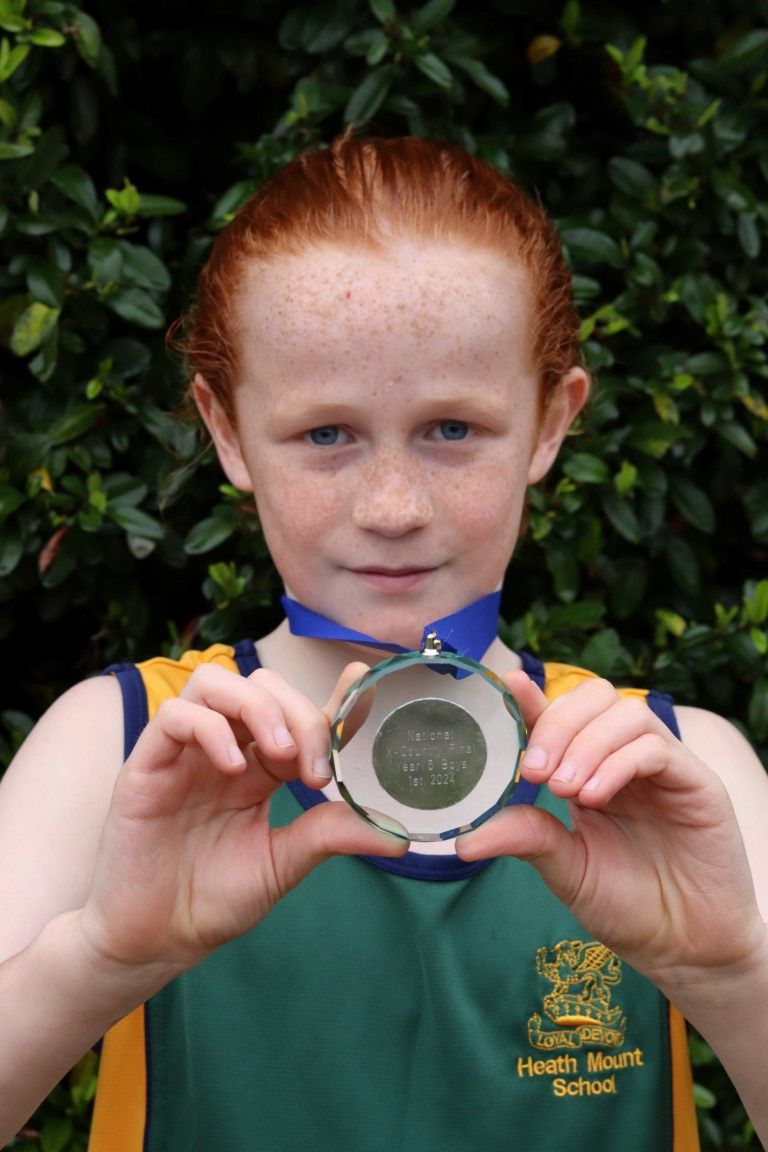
(654, 865)
(188, 859)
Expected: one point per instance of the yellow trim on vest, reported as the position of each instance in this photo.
(165, 678)
(120, 1110)
(562, 678)
(685, 1126)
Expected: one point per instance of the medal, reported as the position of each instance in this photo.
(437, 767)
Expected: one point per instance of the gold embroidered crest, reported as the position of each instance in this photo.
(578, 1006)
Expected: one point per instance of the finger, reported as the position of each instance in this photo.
(244, 700)
(357, 717)
(534, 835)
(624, 742)
(324, 831)
(178, 724)
(307, 725)
(284, 730)
(530, 698)
(557, 725)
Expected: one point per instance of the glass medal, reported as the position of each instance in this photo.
(432, 767)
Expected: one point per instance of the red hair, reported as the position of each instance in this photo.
(366, 192)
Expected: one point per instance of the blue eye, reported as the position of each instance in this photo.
(326, 436)
(453, 429)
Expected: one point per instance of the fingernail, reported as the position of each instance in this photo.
(387, 825)
(565, 773)
(535, 758)
(282, 737)
(321, 769)
(234, 754)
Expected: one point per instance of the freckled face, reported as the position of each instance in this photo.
(386, 420)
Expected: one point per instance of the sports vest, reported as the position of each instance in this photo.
(417, 1005)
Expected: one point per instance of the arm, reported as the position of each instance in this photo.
(117, 878)
(655, 863)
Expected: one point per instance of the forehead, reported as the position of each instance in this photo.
(335, 305)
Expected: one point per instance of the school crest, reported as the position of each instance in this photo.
(578, 1010)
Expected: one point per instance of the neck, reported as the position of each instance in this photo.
(313, 666)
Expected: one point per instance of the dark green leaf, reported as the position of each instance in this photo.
(432, 13)
(749, 234)
(232, 200)
(45, 284)
(564, 568)
(153, 205)
(588, 246)
(368, 97)
(479, 73)
(56, 1133)
(142, 268)
(384, 10)
(212, 531)
(683, 564)
(135, 521)
(622, 517)
(601, 652)
(746, 51)
(11, 551)
(324, 25)
(106, 260)
(74, 423)
(586, 468)
(737, 435)
(138, 307)
(78, 187)
(433, 67)
(87, 38)
(757, 714)
(692, 503)
(15, 151)
(631, 177)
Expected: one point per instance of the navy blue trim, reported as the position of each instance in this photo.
(663, 706)
(135, 711)
(245, 657)
(535, 669)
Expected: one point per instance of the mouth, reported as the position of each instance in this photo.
(392, 579)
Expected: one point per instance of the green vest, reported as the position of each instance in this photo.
(380, 1012)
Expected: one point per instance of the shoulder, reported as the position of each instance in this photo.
(80, 735)
(713, 738)
(723, 747)
(53, 801)
(729, 754)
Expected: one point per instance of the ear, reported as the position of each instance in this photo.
(223, 433)
(563, 407)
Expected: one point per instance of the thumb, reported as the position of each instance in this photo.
(326, 830)
(531, 834)
(360, 711)
(530, 698)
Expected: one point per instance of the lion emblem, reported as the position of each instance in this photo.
(583, 975)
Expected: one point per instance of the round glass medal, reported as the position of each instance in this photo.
(437, 764)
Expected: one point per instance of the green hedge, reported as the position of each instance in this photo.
(128, 135)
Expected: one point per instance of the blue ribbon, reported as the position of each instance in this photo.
(468, 632)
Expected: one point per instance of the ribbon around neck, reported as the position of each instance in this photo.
(468, 632)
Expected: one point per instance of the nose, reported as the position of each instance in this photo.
(392, 497)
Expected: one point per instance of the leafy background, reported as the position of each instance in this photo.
(129, 133)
